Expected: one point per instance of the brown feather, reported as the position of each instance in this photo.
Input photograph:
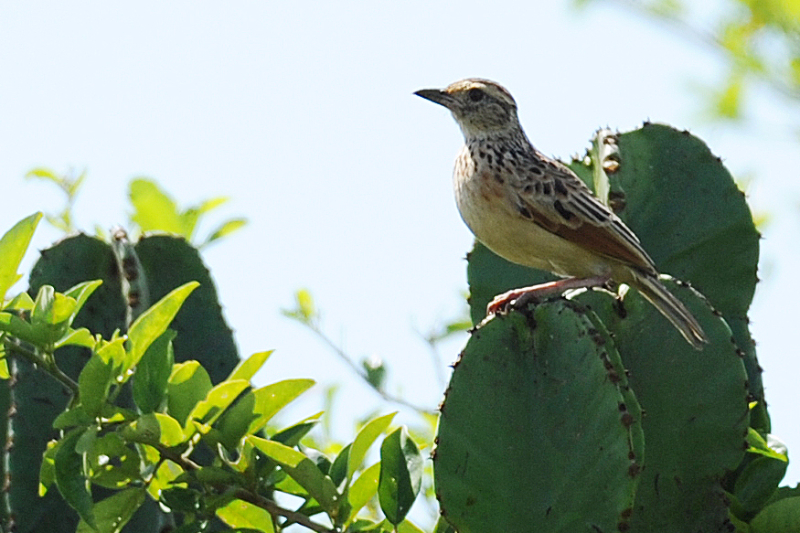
(598, 239)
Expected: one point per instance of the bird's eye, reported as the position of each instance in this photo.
(476, 95)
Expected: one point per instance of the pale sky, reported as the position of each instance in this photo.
(303, 114)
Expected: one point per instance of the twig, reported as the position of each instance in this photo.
(708, 39)
(14, 347)
(273, 508)
(246, 495)
(349, 362)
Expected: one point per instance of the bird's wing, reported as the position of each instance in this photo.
(553, 197)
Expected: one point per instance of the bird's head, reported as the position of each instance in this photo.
(481, 107)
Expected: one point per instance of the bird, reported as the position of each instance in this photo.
(533, 210)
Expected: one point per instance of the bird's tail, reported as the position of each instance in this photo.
(673, 309)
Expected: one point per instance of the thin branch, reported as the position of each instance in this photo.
(706, 38)
(14, 347)
(275, 509)
(247, 495)
(360, 373)
(178, 459)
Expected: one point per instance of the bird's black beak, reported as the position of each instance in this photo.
(438, 96)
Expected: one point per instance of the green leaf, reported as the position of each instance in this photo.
(217, 400)
(51, 307)
(305, 311)
(782, 516)
(42, 312)
(757, 482)
(251, 412)
(188, 385)
(154, 210)
(20, 302)
(361, 444)
(211, 204)
(167, 471)
(80, 293)
(113, 513)
(442, 526)
(170, 429)
(113, 352)
(226, 228)
(241, 514)
(292, 435)
(109, 460)
(301, 469)
(363, 490)
(94, 383)
(152, 373)
(153, 322)
(13, 246)
(401, 475)
(338, 470)
(374, 371)
(760, 446)
(408, 527)
(729, 101)
(76, 337)
(47, 470)
(16, 326)
(180, 499)
(43, 173)
(247, 368)
(75, 416)
(70, 480)
(51, 315)
(154, 429)
(234, 423)
(272, 398)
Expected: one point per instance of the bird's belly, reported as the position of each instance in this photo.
(492, 217)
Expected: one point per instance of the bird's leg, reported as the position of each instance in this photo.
(518, 298)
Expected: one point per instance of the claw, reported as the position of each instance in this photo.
(519, 298)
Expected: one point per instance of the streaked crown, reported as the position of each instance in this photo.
(481, 107)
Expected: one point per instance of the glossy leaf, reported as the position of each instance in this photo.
(781, 516)
(241, 514)
(226, 228)
(154, 209)
(152, 373)
(153, 322)
(94, 384)
(80, 293)
(188, 385)
(292, 435)
(110, 460)
(363, 490)
(301, 469)
(361, 444)
(162, 479)
(155, 429)
(272, 398)
(47, 470)
(71, 483)
(400, 476)
(13, 246)
(234, 423)
(247, 368)
(216, 402)
(76, 337)
(114, 512)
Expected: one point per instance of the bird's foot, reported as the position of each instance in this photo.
(520, 298)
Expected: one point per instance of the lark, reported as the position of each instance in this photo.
(534, 211)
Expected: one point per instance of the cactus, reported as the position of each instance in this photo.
(502, 427)
(167, 263)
